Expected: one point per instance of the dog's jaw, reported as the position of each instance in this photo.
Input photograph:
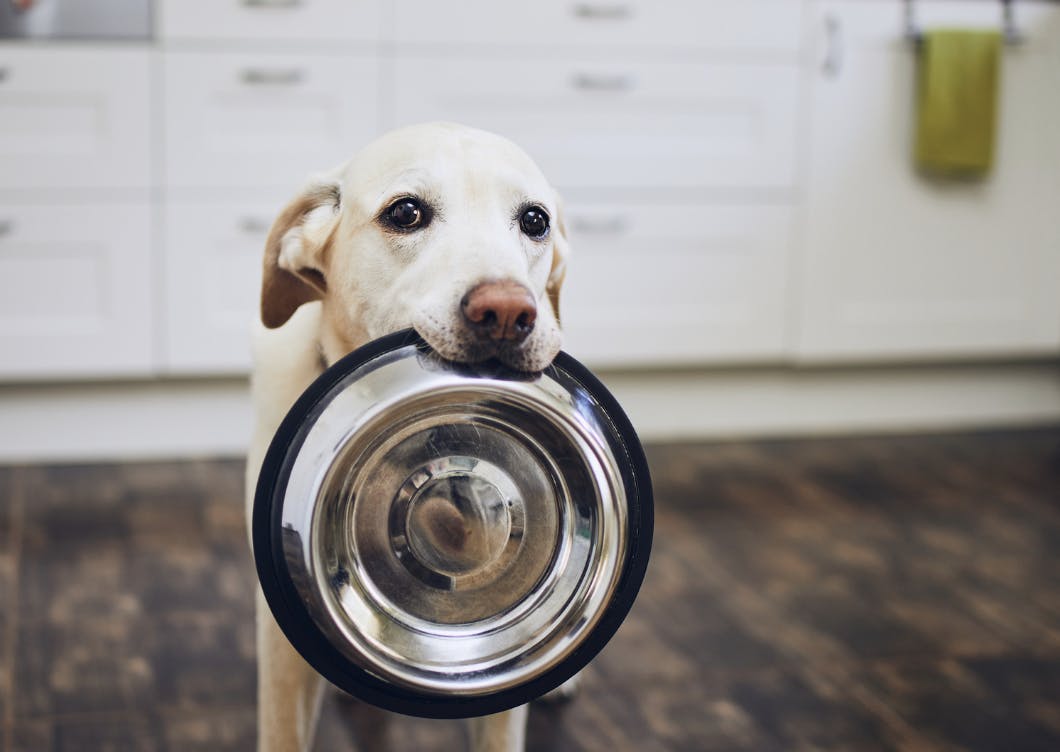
(458, 344)
(451, 342)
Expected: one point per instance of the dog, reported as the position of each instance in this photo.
(447, 229)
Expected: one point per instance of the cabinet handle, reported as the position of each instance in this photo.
(4, 73)
(254, 225)
(272, 3)
(602, 82)
(614, 225)
(6, 227)
(833, 46)
(602, 12)
(264, 77)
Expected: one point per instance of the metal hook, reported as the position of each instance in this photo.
(1009, 32)
(911, 32)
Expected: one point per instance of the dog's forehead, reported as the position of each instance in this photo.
(441, 157)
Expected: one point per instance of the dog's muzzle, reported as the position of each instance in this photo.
(446, 540)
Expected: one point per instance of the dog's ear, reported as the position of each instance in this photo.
(295, 250)
(560, 252)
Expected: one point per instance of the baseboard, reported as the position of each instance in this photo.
(202, 418)
(136, 420)
(804, 401)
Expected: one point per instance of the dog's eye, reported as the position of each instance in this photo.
(534, 222)
(406, 214)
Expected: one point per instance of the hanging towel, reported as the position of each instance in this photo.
(957, 102)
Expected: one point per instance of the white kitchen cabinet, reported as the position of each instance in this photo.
(248, 120)
(75, 290)
(620, 124)
(269, 20)
(674, 283)
(687, 283)
(213, 255)
(74, 117)
(898, 266)
(759, 26)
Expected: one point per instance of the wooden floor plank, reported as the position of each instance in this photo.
(864, 593)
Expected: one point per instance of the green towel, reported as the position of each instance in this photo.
(957, 102)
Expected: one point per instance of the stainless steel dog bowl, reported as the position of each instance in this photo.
(445, 540)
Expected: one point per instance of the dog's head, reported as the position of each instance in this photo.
(447, 229)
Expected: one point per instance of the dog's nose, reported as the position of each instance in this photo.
(502, 310)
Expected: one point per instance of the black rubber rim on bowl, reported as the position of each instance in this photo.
(314, 647)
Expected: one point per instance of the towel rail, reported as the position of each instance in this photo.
(1009, 32)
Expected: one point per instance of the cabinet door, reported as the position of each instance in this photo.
(716, 25)
(74, 118)
(264, 120)
(75, 294)
(213, 254)
(633, 125)
(900, 266)
(673, 283)
(284, 20)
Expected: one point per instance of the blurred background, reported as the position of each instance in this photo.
(760, 250)
(739, 177)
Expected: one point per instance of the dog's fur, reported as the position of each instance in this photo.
(336, 276)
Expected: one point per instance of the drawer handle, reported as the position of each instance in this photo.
(263, 77)
(602, 12)
(602, 82)
(833, 42)
(254, 225)
(272, 3)
(6, 227)
(616, 225)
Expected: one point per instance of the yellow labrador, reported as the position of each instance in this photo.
(447, 229)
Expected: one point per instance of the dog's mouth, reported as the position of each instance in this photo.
(531, 355)
(476, 353)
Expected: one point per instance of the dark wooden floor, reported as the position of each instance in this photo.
(854, 594)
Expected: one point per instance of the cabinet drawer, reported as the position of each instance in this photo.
(74, 118)
(75, 291)
(213, 255)
(662, 24)
(650, 284)
(621, 125)
(284, 20)
(245, 121)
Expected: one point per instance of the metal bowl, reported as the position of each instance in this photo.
(446, 540)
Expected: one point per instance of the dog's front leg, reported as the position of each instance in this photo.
(289, 690)
(503, 732)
